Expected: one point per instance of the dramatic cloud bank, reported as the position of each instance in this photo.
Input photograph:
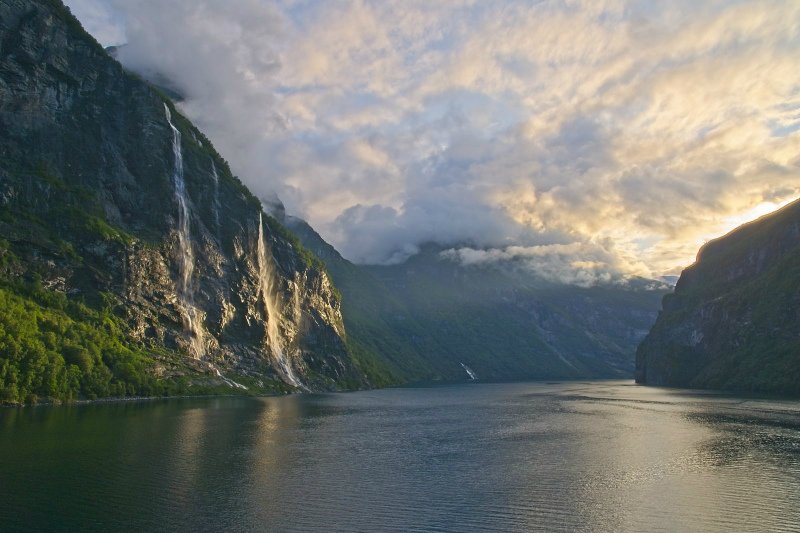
(582, 264)
(611, 133)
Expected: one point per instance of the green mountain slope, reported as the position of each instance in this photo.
(734, 319)
(123, 226)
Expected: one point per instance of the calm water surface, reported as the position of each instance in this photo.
(594, 456)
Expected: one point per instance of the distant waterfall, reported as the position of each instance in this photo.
(192, 318)
(270, 297)
(469, 372)
(229, 382)
(215, 204)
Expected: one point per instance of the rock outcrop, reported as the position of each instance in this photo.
(733, 321)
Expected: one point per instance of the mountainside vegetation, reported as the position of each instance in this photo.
(133, 262)
(734, 319)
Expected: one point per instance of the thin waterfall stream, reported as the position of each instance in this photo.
(272, 305)
(191, 315)
(469, 372)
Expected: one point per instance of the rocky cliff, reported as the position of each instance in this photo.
(110, 199)
(733, 321)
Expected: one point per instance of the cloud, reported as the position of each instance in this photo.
(100, 20)
(492, 125)
(581, 264)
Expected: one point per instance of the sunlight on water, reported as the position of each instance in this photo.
(594, 456)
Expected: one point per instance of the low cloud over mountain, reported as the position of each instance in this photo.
(546, 126)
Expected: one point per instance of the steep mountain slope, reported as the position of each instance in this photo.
(734, 319)
(428, 316)
(377, 322)
(120, 220)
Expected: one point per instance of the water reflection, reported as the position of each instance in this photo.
(714, 473)
(601, 456)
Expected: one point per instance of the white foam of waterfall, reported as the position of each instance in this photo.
(271, 299)
(192, 318)
(229, 382)
(469, 372)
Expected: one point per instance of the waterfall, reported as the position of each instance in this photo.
(229, 382)
(192, 318)
(469, 372)
(272, 305)
(215, 204)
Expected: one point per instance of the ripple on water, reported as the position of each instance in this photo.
(515, 457)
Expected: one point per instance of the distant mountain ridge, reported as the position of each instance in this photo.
(734, 319)
(428, 316)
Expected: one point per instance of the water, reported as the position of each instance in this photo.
(229, 382)
(191, 315)
(272, 306)
(596, 456)
(469, 372)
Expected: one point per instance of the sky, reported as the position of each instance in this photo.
(590, 140)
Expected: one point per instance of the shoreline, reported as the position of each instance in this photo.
(123, 399)
(744, 395)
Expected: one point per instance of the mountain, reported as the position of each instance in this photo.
(430, 317)
(734, 319)
(131, 260)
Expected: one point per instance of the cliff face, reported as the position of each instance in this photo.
(734, 319)
(109, 196)
(429, 318)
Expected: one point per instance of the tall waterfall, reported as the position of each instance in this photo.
(272, 304)
(192, 318)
